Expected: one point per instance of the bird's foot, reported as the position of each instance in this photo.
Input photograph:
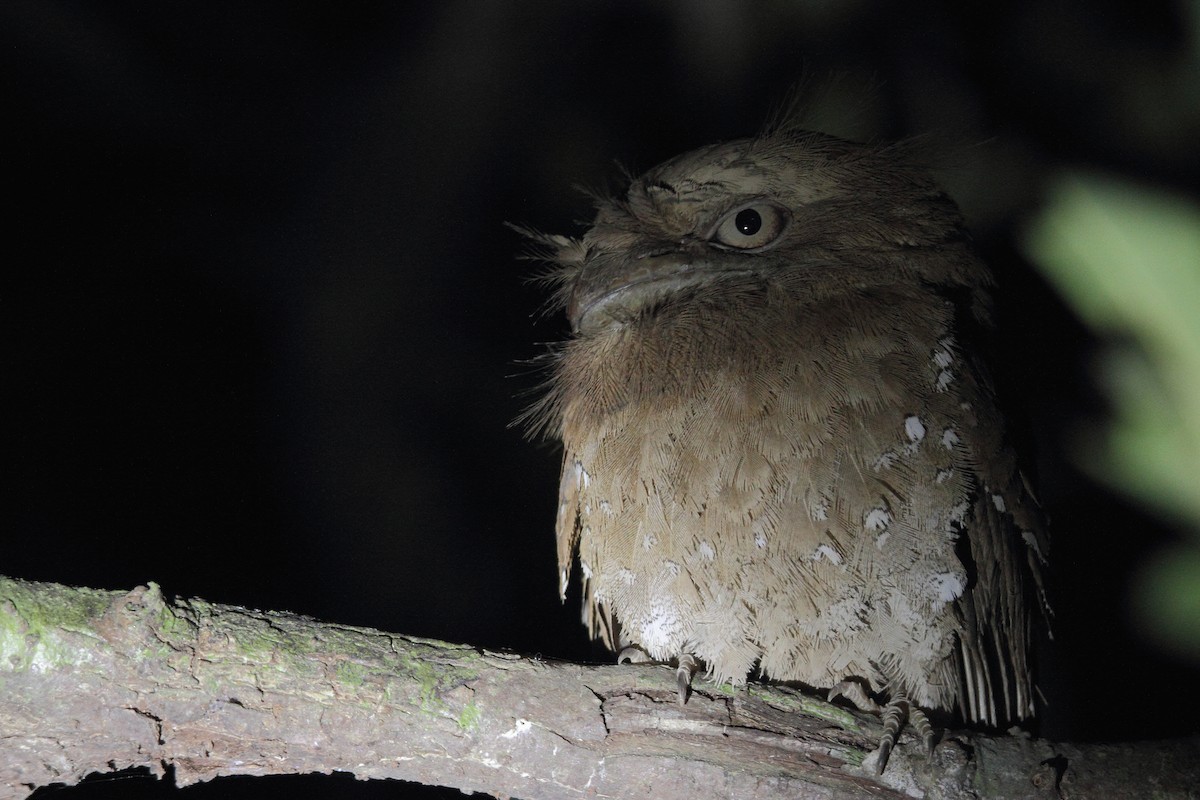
(899, 709)
(687, 667)
(683, 675)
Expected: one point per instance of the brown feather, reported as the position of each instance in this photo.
(787, 457)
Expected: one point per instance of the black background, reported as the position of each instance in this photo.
(262, 321)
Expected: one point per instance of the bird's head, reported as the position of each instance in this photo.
(804, 210)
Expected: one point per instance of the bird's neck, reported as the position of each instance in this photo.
(685, 351)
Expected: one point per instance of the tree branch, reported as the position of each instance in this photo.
(98, 681)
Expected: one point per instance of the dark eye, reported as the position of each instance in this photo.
(748, 221)
(750, 227)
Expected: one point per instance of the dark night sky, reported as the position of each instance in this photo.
(262, 319)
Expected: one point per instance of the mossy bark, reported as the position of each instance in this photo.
(95, 681)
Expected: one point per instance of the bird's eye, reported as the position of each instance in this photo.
(750, 227)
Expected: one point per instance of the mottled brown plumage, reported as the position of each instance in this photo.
(779, 450)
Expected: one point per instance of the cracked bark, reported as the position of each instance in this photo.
(94, 681)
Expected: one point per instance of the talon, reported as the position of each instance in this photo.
(894, 715)
(683, 675)
(882, 754)
(920, 723)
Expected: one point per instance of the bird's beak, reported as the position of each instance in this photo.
(614, 291)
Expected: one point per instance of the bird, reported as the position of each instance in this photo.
(782, 451)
